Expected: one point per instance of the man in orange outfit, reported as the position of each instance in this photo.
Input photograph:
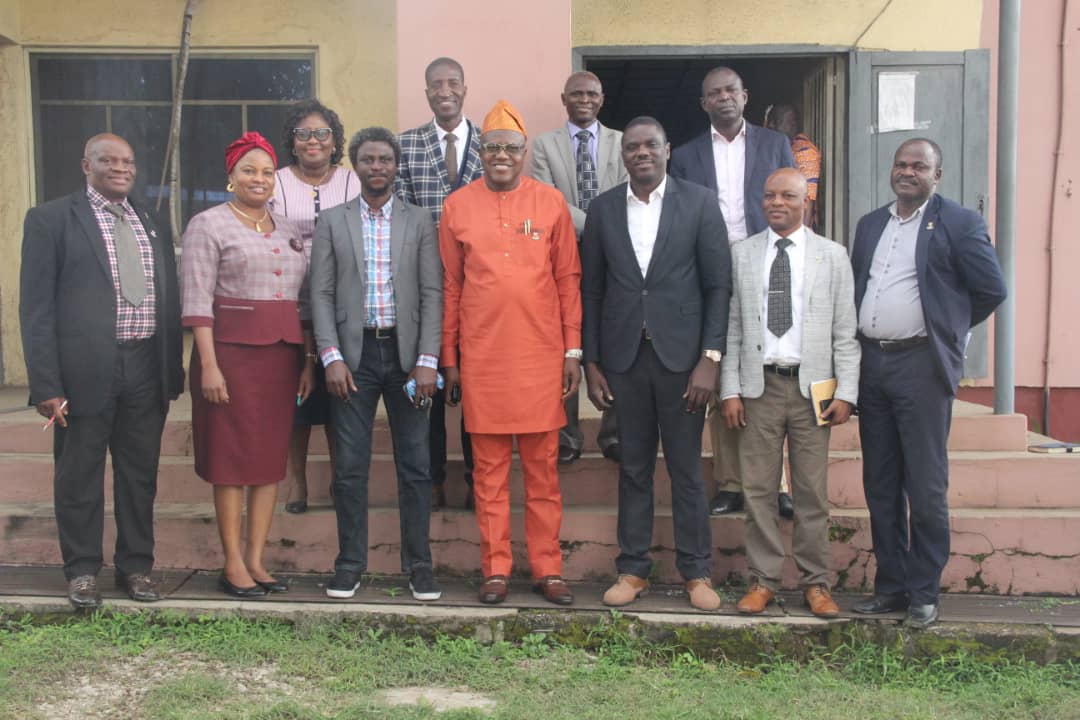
(512, 345)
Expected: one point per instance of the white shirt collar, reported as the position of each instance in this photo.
(741, 134)
(656, 194)
(918, 213)
(593, 129)
(798, 237)
(461, 132)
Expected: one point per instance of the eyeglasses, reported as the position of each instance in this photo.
(496, 148)
(304, 134)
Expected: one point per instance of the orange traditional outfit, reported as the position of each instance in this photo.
(511, 309)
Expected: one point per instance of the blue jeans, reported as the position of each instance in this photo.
(380, 375)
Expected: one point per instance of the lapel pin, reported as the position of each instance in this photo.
(930, 225)
(153, 234)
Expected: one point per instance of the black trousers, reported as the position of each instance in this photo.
(904, 418)
(572, 438)
(437, 442)
(130, 429)
(650, 409)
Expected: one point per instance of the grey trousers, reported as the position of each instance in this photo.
(782, 412)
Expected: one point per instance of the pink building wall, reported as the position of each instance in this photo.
(509, 51)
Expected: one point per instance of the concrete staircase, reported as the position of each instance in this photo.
(1015, 514)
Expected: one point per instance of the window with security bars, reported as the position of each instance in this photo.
(77, 96)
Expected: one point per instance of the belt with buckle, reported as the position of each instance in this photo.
(380, 333)
(893, 346)
(783, 370)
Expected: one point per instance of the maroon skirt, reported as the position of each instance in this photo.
(246, 441)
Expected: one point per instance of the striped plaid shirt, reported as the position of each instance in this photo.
(380, 311)
(132, 323)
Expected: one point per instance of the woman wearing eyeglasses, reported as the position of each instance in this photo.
(313, 140)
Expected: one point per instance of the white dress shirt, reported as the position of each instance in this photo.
(461, 132)
(786, 349)
(729, 157)
(643, 222)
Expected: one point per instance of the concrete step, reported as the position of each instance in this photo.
(974, 427)
(994, 551)
(977, 479)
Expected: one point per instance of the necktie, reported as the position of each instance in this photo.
(586, 172)
(451, 158)
(129, 267)
(780, 290)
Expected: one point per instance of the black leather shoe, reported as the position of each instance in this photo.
(138, 587)
(726, 502)
(613, 452)
(296, 507)
(878, 604)
(273, 586)
(920, 617)
(83, 592)
(785, 505)
(255, 591)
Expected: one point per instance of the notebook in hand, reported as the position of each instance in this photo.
(821, 394)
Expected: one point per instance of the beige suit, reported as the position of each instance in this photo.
(553, 162)
(778, 407)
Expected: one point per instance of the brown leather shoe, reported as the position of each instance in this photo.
(702, 595)
(139, 587)
(820, 602)
(494, 589)
(626, 590)
(83, 592)
(756, 599)
(554, 589)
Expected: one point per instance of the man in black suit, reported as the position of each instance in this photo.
(656, 281)
(100, 315)
(733, 159)
(925, 273)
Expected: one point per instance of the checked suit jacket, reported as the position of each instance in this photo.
(422, 179)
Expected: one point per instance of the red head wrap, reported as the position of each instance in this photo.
(243, 145)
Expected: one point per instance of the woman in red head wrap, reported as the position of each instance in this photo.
(243, 268)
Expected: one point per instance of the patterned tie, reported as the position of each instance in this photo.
(129, 268)
(780, 290)
(586, 171)
(451, 158)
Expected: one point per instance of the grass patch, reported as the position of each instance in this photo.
(162, 665)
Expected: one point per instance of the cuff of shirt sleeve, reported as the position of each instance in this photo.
(197, 321)
(728, 397)
(330, 355)
(428, 361)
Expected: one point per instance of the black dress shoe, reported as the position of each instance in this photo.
(785, 505)
(920, 617)
(726, 502)
(296, 507)
(568, 455)
(255, 591)
(613, 452)
(139, 587)
(273, 586)
(83, 592)
(878, 604)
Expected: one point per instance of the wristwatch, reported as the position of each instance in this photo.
(713, 355)
(574, 354)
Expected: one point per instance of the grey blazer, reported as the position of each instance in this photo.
(339, 282)
(553, 162)
(829, 348)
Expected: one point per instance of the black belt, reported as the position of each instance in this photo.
(380, 333)
(893, 346)
(133, 343)
(783, 370)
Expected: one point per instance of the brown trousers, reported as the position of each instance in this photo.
(725, 451)
(782, 412)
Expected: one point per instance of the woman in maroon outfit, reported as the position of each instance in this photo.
(243, 269)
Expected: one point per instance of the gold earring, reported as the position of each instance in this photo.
(230, 188)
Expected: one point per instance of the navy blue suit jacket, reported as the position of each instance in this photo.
(766, 151)
(960, 281)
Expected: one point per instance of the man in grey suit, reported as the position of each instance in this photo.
(581, 159)
(655, 286)
(792, 324)
(376, 297)
(732, 158)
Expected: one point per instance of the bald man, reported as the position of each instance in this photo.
(792, 324)
(100, 315)
(581, 159)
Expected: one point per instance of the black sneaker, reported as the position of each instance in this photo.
(343, 585)
(423, 586)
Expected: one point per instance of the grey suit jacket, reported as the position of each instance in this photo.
(553, 162)
(829, 348)
(339, 282)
